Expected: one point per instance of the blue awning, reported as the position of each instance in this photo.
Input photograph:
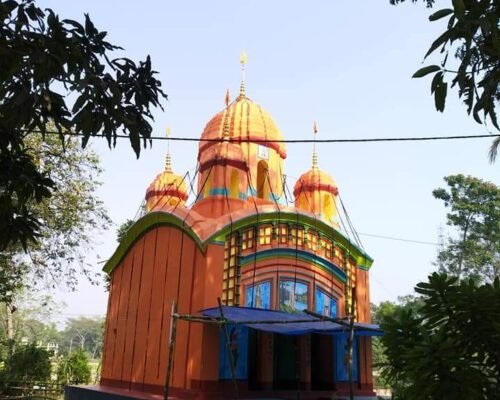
(288, 323)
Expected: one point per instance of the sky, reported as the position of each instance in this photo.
(346, 65)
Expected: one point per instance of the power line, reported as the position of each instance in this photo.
(399, 239)
(252, 140)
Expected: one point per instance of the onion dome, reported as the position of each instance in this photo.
(247, 121)
(167, 189)
(243, 120)
(315, 191)
(315, 180)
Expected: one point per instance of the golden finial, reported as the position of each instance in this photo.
(315, 155)
(227, 99)
(243, 62)
(168, 158)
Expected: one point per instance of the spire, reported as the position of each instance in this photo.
(315, 155)
(243, 62)
(225, 127)
(168, 158)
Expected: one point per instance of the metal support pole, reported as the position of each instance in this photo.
(228, 347)
(171, 347)
(350, 344)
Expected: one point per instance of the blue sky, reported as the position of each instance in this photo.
(345, 64)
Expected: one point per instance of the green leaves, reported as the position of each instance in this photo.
(472, 37)
(473, 248)
(426, 70)
(440, 14)
(44, 61)
(439, 89)
(448, 347)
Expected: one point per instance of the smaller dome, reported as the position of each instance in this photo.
(315, 180)
(167, 189)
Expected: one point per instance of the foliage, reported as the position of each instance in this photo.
(28, 363)
(11, 276)
(71, 217)
(382, 311)
(474, 214)
(472, 36)
(74, 369)
(44, 62)
(121, 232)
(449, 347)
(83, 333)
(30, 316)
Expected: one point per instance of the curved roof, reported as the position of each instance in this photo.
(243, 120)
(313, 180)
(205, 230)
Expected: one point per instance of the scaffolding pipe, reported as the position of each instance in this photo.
(171, 345)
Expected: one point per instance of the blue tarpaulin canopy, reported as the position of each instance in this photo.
(288, 323)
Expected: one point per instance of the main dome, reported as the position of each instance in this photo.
(246, 121)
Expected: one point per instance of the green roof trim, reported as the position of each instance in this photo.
(143, 226)
(160, 218)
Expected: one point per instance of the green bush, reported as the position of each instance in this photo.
(74, 369)
(28, 363)
(448, 348)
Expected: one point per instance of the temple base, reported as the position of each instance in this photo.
(112, 393)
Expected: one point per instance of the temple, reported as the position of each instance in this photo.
(265, 251)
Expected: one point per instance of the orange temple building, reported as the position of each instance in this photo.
(259, 248)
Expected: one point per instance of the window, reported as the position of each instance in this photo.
(312, 240)
(258, 295)
(325, 304)
(231, 273)
(326, 248)
(297, 236)
(265, 234)
(247, 238)
(283, 234)
(350, 285)
(339, 253)
(293, 296)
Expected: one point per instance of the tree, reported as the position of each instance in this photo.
(71, 217)
(85, 334)
(473, 250)
(44, 62)
(26, 319)
(381, 312)
(472, 36)
(122, 230)
(74, 369)
(449, 347)
(28, 363)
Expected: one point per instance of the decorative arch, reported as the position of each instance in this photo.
(234, 188)
(262, 180)
(327, 206)
(208, 185)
